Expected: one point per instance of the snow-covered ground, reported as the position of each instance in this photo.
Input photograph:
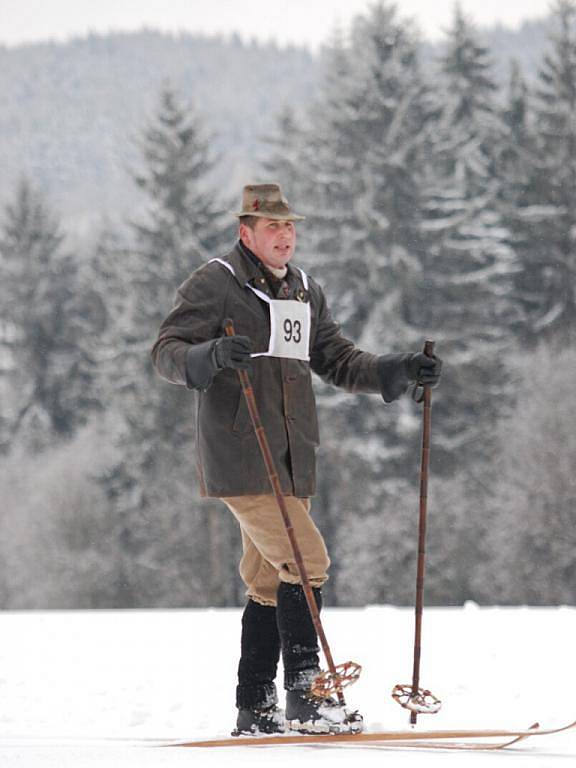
(76, 687)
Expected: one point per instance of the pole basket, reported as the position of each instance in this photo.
(328, 684)
(422, 702)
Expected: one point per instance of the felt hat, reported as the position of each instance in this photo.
(266, 201)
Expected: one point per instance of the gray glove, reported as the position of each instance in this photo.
(233, 352)
(423, 370)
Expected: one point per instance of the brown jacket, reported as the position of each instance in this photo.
(227, 452)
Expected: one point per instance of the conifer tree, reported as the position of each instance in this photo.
(468, 299)
(369, 135)
(547, 217)
(47, 366)
(518, 147)
(372, 131)
(181, 225)
(362, 148)
(152, 484)
(181, 228)
(285, 159)
(405, 217)
(469, 258)
(516, 167)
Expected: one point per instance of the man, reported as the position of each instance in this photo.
(284, 331)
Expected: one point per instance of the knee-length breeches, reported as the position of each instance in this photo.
(267, 555)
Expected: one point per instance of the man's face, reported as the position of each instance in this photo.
(272, 241)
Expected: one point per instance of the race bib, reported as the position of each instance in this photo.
(289, 329)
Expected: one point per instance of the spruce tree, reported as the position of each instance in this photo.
(547, 217)
(181, 225)
(516, 171)
(368, 134)
(47, 365)
(406, 226)
(371, 129)
(469, 258)
(165, 541)
(470, 264)
(518, 147)
(290, 158)
(362, 149)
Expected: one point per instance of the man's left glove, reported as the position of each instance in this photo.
(423, 369)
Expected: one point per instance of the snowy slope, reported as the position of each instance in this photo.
(74, 686)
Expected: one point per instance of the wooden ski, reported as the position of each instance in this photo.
(445, 739)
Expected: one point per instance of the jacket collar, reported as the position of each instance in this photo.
(247, 269)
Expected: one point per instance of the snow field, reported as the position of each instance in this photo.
(77, 687)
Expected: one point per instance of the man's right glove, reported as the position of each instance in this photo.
(423, 369)
(233, 352)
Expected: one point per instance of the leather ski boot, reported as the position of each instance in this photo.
(254, 721)
(307, 713)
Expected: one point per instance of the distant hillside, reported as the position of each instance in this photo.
(71, 112)
(526, 45)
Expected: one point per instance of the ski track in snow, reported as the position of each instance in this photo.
(76, 687)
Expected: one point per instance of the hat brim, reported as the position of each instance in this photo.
(273, 216)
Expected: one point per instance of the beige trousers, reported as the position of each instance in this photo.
(267, 555)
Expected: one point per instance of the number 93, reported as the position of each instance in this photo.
(292, 330)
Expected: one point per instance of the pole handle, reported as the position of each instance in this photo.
(421, 391)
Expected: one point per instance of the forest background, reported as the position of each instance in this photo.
(439, 186)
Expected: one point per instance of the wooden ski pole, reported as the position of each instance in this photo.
(275, 483)
(425, 460)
